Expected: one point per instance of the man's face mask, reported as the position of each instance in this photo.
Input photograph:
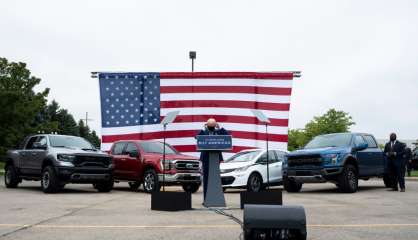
(392, 138)
(211, 128)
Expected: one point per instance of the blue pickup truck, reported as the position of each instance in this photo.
(340, 158)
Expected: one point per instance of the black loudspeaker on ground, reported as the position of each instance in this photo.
(269, 222)
(268, 197)
(171, 201)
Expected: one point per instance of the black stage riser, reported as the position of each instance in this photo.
(268, 197)
(171, 201)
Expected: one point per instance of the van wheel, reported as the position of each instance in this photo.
(11, 179)
(348, 180)
(291, 186)
(49, 180)
(151, 183)
(134, 185)
(255, 183)
(190, 187)
(104, 186)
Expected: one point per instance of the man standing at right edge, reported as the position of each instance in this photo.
(394, 151)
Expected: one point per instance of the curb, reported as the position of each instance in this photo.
(412, 179)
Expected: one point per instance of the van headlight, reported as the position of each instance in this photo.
(242, 169)
(65, 157)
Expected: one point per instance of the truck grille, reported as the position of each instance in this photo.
(314, 160)
(187, 165)
(92, 161)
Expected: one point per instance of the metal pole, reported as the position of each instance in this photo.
(267, 153)
(165, 126)
(192, 64)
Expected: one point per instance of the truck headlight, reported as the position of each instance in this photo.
(65, 157)
(330, 158)
(166, 165)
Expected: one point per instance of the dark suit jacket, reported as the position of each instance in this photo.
(398, 148)
(204, 156)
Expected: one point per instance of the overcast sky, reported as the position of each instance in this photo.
(356, 56)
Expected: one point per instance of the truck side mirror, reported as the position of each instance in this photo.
(362, 146)
(38, 145)
(134, 154)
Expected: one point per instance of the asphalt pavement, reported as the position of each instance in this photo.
(79, 212)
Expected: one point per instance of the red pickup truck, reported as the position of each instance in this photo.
(141, 162)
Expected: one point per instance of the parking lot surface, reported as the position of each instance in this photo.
(79, 212)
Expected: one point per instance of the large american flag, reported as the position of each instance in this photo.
(133, 104)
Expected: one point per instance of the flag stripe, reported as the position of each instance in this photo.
(229, 119)
(249, 143)
(225, 104)
(260, 98)
(191, 126)
(192, 133)
(224, 83)
(231, 112)
(226, 75)
(227, 89)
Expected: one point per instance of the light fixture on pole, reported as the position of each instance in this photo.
(192, 56)
(169, 118)
(264, 119)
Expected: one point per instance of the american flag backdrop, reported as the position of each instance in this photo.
(133, 104)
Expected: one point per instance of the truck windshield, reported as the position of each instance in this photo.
(330, 140)
(157, 147)
(70, 142)
(243, 156)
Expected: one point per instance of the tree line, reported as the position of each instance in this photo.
(24, 111)
(332, 121)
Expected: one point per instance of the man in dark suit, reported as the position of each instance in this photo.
(210, 128)
(394, 151)
(408, 156)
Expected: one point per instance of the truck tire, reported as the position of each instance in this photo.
(134, 185)
(190, 187)
(104, 186)
(254, 183)
(151, 183)
(49, 180)
(291, 186)
(348, 179)
(11, 178)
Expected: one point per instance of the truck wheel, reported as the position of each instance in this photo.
(291, 186)
(49, 180)
(348, 180)
(190, 187)
(254, 183)
(387, 180)
(134, 185)
(151, 183)
(104, 186)
(11, 179)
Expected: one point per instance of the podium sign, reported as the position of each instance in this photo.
(214, 142)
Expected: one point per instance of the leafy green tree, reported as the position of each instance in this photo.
(19, 103)
(84, 131)
(332, 121)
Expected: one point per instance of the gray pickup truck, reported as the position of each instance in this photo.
(56, 160)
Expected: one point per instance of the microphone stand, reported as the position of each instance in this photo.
(165, 127)
(267, 155)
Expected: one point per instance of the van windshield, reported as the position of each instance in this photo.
(329, 140)
(243, 156)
